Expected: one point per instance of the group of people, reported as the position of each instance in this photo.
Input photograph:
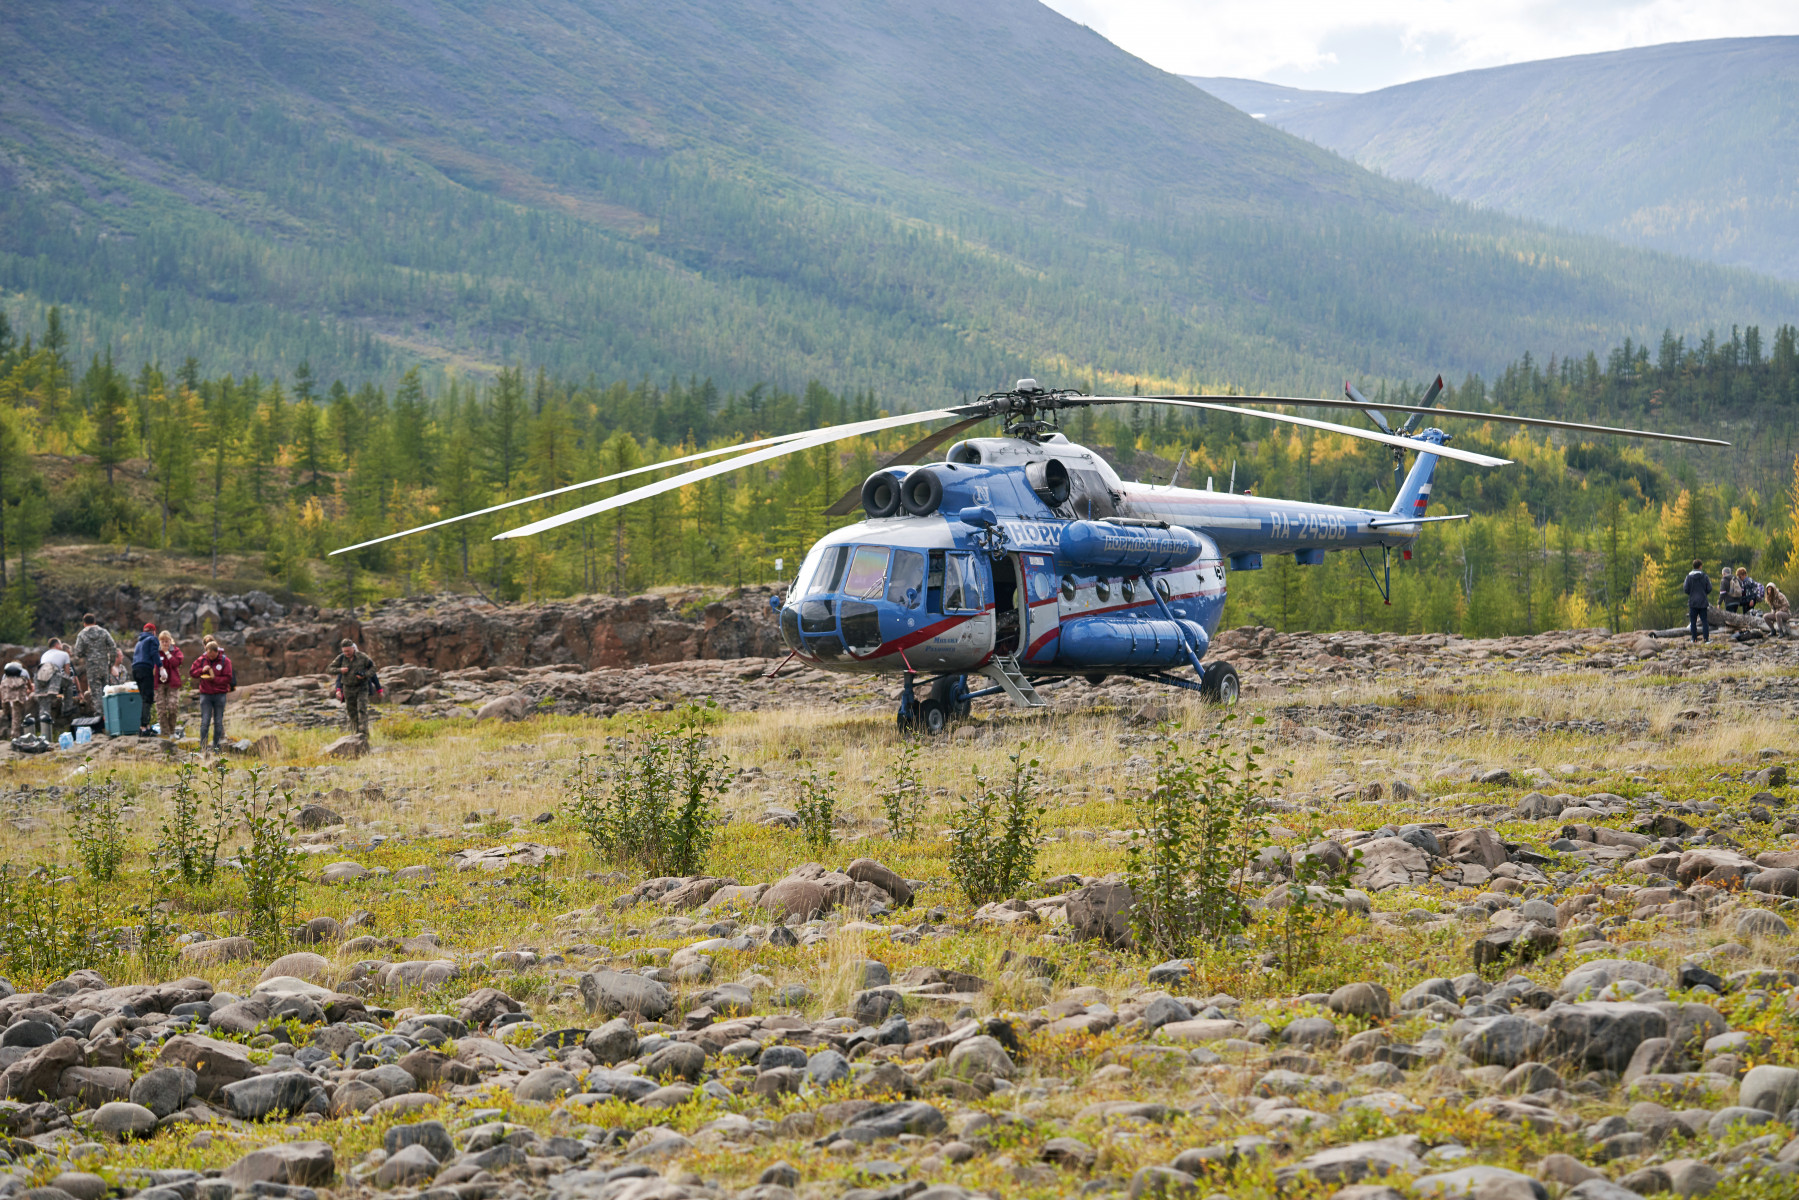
(71, 679)
(1737, 593)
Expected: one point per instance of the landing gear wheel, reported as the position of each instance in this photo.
(1220, 685)
(951, 692)
(932, 717)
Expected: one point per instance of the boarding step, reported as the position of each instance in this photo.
(1003, 670)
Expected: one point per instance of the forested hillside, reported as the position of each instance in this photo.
(1691, 148)
(921, 199)
(287, 468)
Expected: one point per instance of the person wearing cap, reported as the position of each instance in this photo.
(16, 695)
(95, 651)
(213, 670)
(168, 685)
(355, 673)
(145, 658)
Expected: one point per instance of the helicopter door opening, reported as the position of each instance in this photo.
(1007, 605)
(1037, 601)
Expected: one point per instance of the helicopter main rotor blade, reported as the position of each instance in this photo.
(1467, 456)
(846, 503)
(1543, 422)
(1373, 414)
(573, 487)
(809, 441)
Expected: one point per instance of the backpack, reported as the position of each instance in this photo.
(46, 672)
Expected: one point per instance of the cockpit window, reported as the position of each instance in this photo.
(905, 585)
(829, 571)
(867, 577)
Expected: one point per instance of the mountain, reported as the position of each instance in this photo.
(1692, 148)
(922, 199)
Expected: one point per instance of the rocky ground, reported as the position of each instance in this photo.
(1562, 963)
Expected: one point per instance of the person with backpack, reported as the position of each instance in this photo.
(146, 657)
(356, 683)
(1698, 587)
(55, 682)
(1751, 590)
(16, 695)
(95, 651)
(168, 685)
(213, 670)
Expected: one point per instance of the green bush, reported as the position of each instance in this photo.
(97, 829)
(903, 797)
(271, 863)
(995, 834)
(188, 849)
(817, 809)
(653, 804)
(1199, 824)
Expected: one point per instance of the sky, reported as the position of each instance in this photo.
(1369, 44)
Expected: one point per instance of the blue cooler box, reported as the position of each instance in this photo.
(124, 713)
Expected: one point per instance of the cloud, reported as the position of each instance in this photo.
(1377, 43)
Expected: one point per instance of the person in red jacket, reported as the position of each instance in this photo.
(213, 670)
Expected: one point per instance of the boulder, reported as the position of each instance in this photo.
(408, 1167)
(90, 1087)
(281, 1094)
(615, 993)
(164, 1090)
(351, 745)
(418, 973)
(1776, 881)
(980, 1055)
(1538, 807)
(1770, 1088)
(504, 708)
(213, 1063)
(122, 1119)
(1361, 1000)
(546, 1083)
(867, 870)
(1516, 944)
(1759, 922)
(355, 1096)
(217, 951)
(694, 893)
(1351, 1163)
(1713, 864)
(297, 1164)
(482, 1005)
(613, 1042)
(38, 1075)
(1603, 1036)
(302, 965)
(1101, 912)
(1595, 974)
(316, 816)
(1391, 862)
(679, 1060)
(1505, 1042)
(1480, 846)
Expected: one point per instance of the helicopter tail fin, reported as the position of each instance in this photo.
(1414, 493)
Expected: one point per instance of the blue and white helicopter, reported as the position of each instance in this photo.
(1024, 558)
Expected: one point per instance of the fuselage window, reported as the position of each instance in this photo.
(1102, 589)
(962, 591)
(1068, 588)
(867, 577)
(905, 585)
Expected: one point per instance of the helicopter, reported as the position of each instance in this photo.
(1023, 559)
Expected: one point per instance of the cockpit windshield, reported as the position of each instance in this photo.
(867, 577)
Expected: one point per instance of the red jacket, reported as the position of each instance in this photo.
(168, 675)
(218, 679)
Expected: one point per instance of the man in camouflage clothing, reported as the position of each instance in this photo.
(356, 682)
(95, 651)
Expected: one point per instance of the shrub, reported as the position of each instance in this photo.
(996, 834)
(1314, 898)
(903, 797)
(271, 864)
(188, 849)
(97, 829)
(44, 933)
(653, 804)
(817, 809)
(1199, 825)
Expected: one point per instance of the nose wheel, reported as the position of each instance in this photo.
(1220, 684)
(946, 701)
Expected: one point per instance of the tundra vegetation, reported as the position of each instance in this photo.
(1383, 927)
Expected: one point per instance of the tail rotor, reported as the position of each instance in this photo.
(1405, 430)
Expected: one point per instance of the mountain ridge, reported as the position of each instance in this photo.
(921, 199)
(1686, 147)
